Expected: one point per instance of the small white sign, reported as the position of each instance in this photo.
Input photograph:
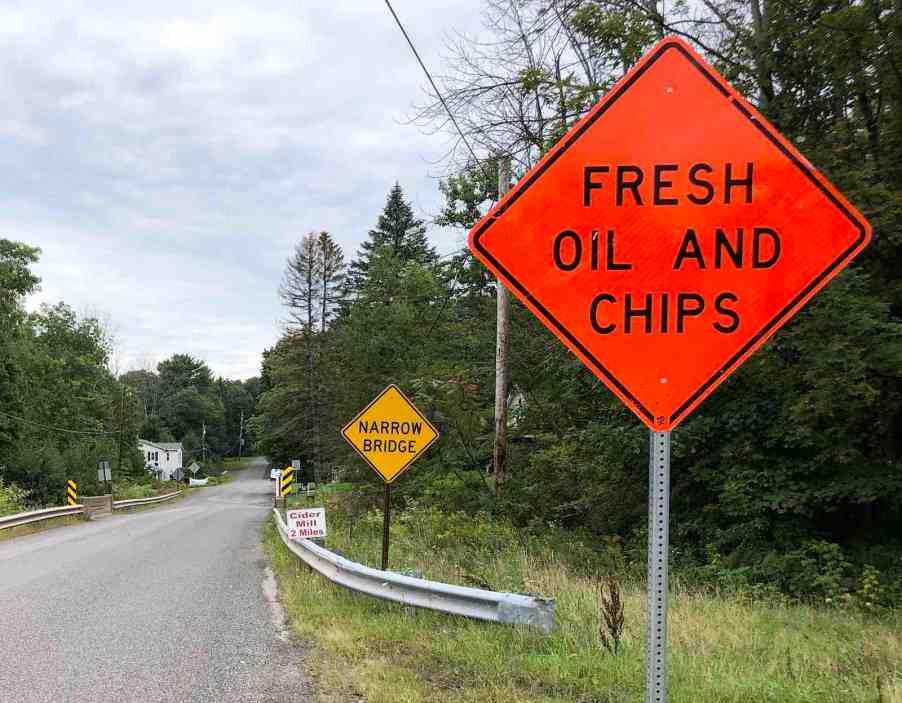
(275, 473)
(307, 523)
(296, 464)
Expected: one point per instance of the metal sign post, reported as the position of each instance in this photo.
(668, 298)
(658, 549)
(104, 475)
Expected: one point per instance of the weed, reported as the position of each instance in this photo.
(611, 607)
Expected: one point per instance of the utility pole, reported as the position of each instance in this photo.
(241, 435)
(203, 444)
(121, 431)
(499, 462)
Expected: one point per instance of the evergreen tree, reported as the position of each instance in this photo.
(398, 231)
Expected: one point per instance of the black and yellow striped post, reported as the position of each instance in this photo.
(286, 485)
(287, 481)
(71, 492)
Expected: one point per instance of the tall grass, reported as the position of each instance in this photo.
(722, 648)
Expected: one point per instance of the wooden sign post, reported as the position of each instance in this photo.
(389, 434)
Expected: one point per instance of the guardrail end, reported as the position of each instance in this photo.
(520, 610)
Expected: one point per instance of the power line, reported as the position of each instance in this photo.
(55, 428)
(437, 91)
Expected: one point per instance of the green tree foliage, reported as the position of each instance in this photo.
(62, 410)
(16, 281)
(182, 371)
(397, 230)
(281, 425)
(12, 499)
(182, 398)
(16, 278)
(792, 470)
(465, 194)
(68, 411)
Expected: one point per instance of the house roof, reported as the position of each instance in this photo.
(165, 446)
(171, 446)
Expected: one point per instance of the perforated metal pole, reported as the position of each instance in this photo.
(658, 548)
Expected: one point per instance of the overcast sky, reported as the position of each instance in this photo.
(166, 156)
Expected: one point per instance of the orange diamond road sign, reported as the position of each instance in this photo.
(390, 433)
(669, 234)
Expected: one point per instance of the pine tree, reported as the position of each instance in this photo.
(312, 289)
(397, 230)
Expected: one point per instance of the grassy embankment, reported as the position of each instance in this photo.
(723, 647)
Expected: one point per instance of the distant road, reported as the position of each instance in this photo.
(171, 604)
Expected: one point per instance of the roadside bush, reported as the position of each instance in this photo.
(818, 569)
(818, 572)
(127, 490)
(12, 499)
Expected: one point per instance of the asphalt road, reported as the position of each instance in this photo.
(170, 604)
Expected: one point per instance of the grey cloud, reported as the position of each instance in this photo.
(167, 157)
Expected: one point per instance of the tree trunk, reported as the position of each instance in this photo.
(761, 51)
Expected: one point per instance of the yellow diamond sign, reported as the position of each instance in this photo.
(390, 433)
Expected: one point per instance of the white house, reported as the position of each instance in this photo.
(161, 458)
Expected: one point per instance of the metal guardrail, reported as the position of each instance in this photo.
(457, 600)
(135, 502)
(39, 515)
(50, 513)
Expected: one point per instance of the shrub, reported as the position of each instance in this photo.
(818, 569)
(12, 498)
(127, 490)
